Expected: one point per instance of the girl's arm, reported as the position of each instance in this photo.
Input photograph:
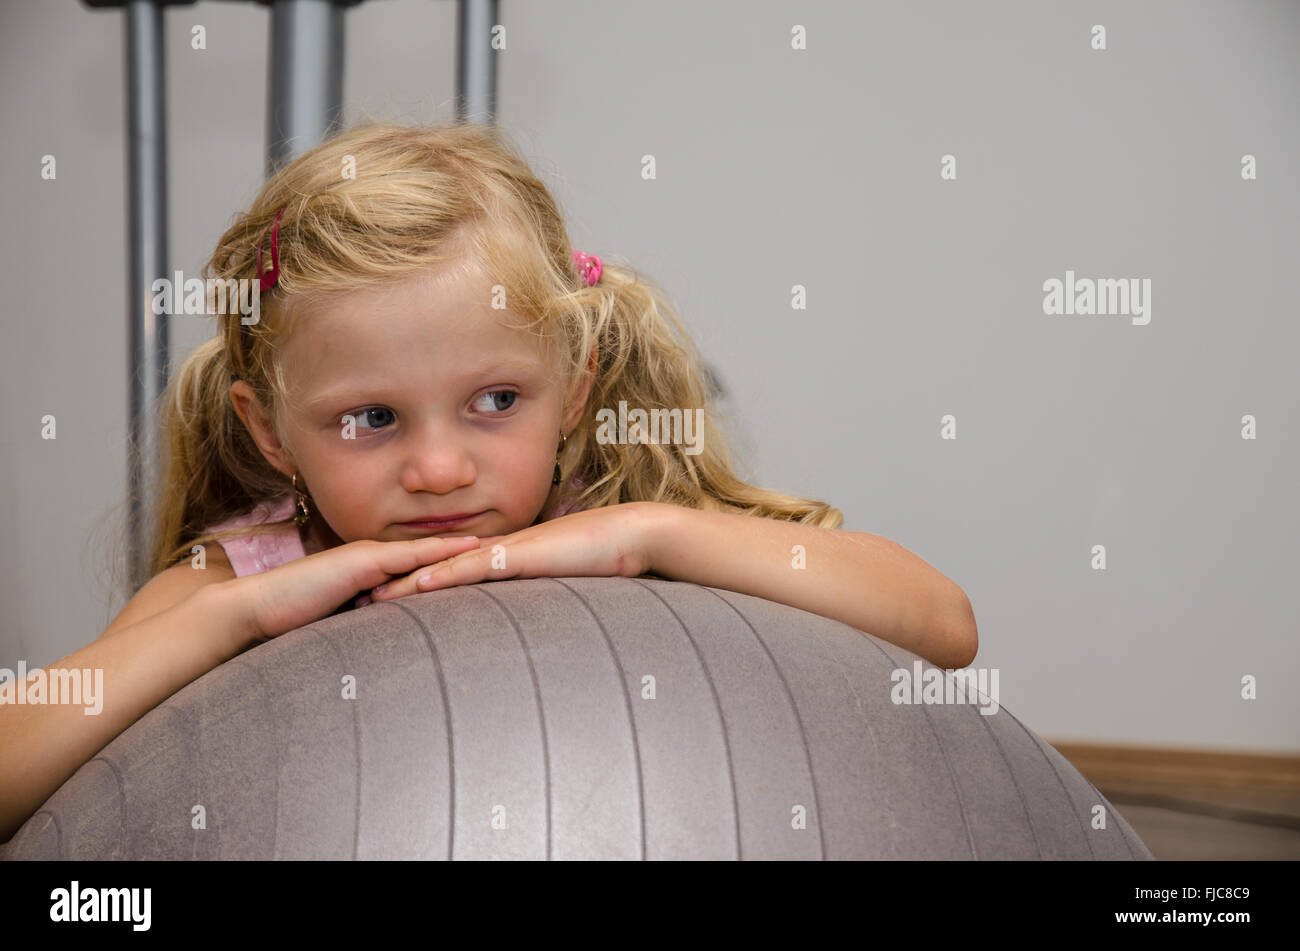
(136, 668)
(866, 581)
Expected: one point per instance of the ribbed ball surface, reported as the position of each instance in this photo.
(572, 718)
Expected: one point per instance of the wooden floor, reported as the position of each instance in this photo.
(1189, 805)
(1185, 822)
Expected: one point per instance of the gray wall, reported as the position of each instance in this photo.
(925, 297)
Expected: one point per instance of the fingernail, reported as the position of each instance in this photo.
(380, 589)
(424, 579)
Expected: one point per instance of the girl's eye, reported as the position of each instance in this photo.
(365, 419)
(495, 395)
(379, 416)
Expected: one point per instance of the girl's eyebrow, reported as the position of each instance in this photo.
(352, 391)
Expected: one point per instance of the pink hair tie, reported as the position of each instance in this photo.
(267, 281)
(589, 265)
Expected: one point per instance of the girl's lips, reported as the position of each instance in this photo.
(444, 523)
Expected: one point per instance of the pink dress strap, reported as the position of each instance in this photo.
(252, 554)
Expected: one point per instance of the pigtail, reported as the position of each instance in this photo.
(648, 361)
(212, 469)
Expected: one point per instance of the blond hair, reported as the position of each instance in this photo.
(422, 196)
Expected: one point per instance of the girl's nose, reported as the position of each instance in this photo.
(436, 462)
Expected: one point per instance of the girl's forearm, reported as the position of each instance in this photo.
(132, 671)
(866, 581)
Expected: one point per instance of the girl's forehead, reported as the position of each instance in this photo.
(418, 305)
(401, 339)
(449, 295)
(450, 315)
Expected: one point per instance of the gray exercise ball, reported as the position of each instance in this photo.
(572, 718)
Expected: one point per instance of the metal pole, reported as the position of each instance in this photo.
(305, 77)
(476, 63)
(147, 367)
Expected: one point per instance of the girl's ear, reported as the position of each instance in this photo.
(579, 393)
(259, 426)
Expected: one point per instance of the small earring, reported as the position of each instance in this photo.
(300, 511)
(555, 478)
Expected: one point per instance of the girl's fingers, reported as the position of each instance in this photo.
(470, 569)
(400, 558)
(309, 588)
(423, 546)
(442, 568)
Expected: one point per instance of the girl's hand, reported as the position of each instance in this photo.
(310, 588)
(596, 543)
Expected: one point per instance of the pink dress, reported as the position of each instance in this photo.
(251, 554)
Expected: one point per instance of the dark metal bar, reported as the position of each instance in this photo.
(305, 77)
(476, 61)
(147, 359)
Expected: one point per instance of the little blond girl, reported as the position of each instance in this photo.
(418, 405)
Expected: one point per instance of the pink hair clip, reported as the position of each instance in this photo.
(589, 265)
(267, 281)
